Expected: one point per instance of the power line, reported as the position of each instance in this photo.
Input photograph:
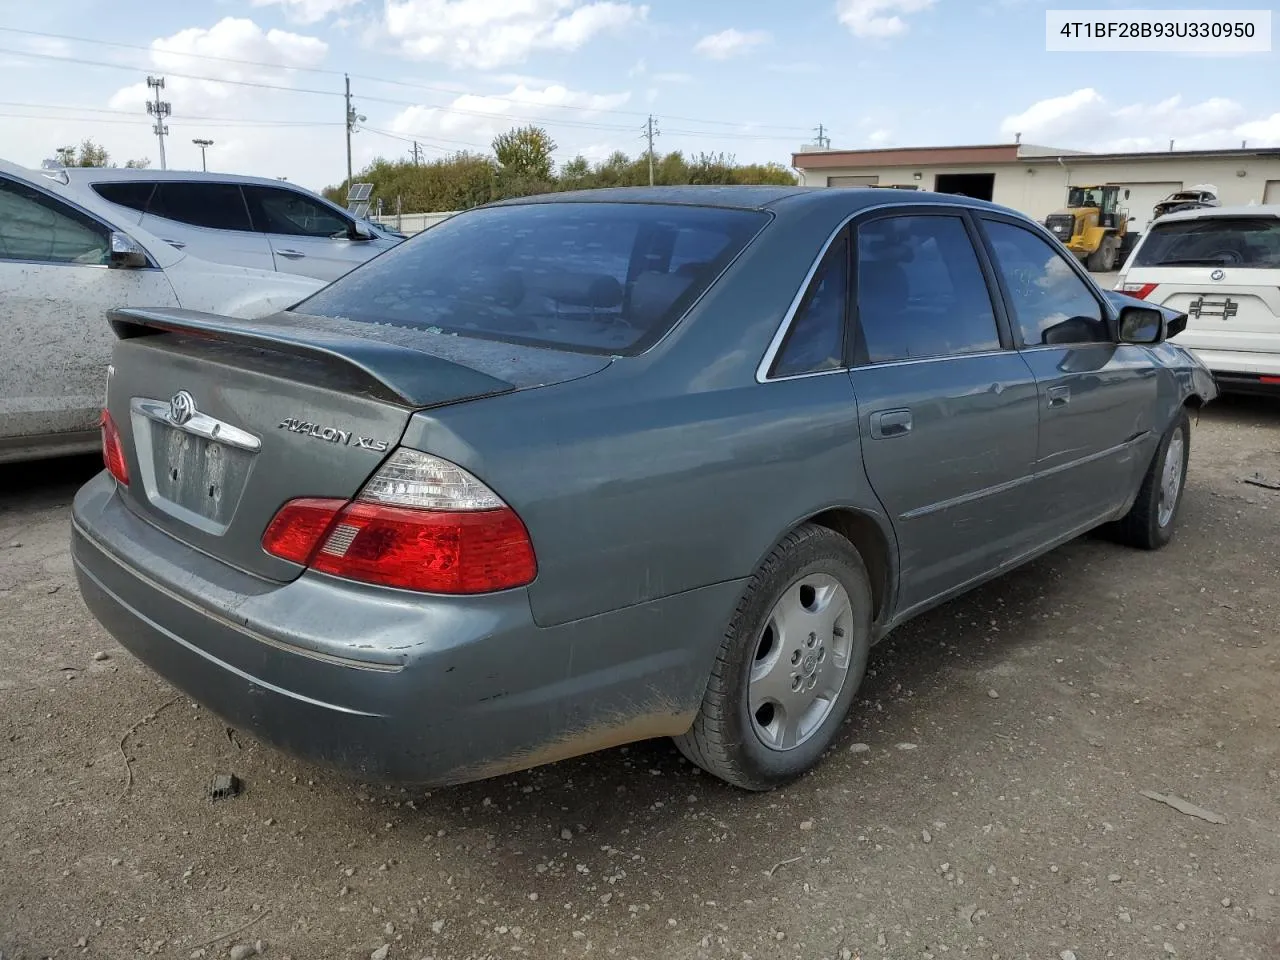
(332, 72)
(232, 125)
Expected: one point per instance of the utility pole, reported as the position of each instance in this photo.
(203, 145)
(651, 131)
(160, 109)
(417, 160)
(352, 119)
(823, 140)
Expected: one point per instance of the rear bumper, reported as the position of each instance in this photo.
(1240, 371)
(385, 684)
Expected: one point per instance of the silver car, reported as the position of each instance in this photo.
(244, 221)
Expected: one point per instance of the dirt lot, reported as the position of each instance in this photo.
(986, 800)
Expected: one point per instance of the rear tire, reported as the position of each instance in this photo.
(1104, 258)
(1149, 524)
(790, 662)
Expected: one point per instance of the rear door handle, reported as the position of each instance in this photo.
(1059, 396)
(890, 423)
(291, 254)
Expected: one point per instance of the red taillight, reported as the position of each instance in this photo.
(1139, 290)
(113, 450)
(470, 548)
(1269, 380)
(297, 528)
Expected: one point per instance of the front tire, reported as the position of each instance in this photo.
(1149, 524)
(789, 664)
(1102, 259)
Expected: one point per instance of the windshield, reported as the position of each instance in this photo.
(593, 277)
(1081, 197)
(1233, 241)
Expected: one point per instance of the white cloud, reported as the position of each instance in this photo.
(232, 38)
(879, 138)
(1085, 119)
(307, 11)
(490, 33)
(477, 119)
(638, 69)
(878, 18)
(730, 43)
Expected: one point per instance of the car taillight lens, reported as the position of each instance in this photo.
(421, 523)
(1139, 290)
(113, 450)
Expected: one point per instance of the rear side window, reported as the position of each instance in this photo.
(815, 341)
(133, 194)
(280, 211)
(39, 228)
(920, 291)
(1213, 241)
(218, 206)
(592, 277)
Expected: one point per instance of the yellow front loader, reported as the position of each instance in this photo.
(1094, 226)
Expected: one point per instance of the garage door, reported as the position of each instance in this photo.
(853, 181)
(1272, 192)
(1143, 197)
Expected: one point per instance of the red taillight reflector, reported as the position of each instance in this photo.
(1270, 380)
(1139, 290)
(113, 450)
(474, 551)
(296, 529)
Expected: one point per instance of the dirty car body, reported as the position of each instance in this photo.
(642, 395)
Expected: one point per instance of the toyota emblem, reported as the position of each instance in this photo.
(1217, 275)
(182, 407)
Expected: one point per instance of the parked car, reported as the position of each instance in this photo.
(577, 470)
(1202, 195)
(65, 260)
(1221, 267)
(246, 221)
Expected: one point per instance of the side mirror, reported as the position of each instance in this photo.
(125, 252)
(1142, 325)
(359, 231)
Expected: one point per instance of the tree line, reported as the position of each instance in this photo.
(522, 165)
(90, 154)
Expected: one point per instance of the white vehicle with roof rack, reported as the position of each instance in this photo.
(1221, 267)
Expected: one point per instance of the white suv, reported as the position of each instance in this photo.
(247, 221)
(65, 260)
(1221, 267)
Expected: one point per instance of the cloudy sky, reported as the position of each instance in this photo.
(264, 79)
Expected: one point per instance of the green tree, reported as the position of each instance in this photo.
(140, 164)
(90, 154)
(525, 152)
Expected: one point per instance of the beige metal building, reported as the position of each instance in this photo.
(1034, 179)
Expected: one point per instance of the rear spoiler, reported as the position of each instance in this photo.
(391, 372)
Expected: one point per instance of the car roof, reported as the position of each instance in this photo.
(744, 197)
(1262, 210)
(104, 174)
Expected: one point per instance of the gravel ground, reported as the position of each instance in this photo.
(986, 799)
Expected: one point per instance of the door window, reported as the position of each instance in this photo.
(1051, 304)
(280, 211)
(34, 226)
(921, 291)
(134, 194)
(218, 206)
(815, 341)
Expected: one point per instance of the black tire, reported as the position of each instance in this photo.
(723, 740)
(1102, 259)
(1141, 526)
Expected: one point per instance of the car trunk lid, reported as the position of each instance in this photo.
(1235, 308)
(224, 421)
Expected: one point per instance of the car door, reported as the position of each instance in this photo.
(946, 407)
(55, 287)
(1097, 397)
(208, 220)
(306, 236)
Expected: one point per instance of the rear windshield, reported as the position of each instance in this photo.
(1213, 241)
(592, 277)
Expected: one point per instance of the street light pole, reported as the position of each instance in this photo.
(203, 145)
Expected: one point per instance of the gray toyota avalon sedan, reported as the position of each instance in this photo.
(577, 470)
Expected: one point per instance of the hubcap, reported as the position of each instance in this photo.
(1170, 479)
(801, 660)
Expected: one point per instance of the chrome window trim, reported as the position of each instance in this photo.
(771, 353)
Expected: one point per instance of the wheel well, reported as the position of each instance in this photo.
(865, 534)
